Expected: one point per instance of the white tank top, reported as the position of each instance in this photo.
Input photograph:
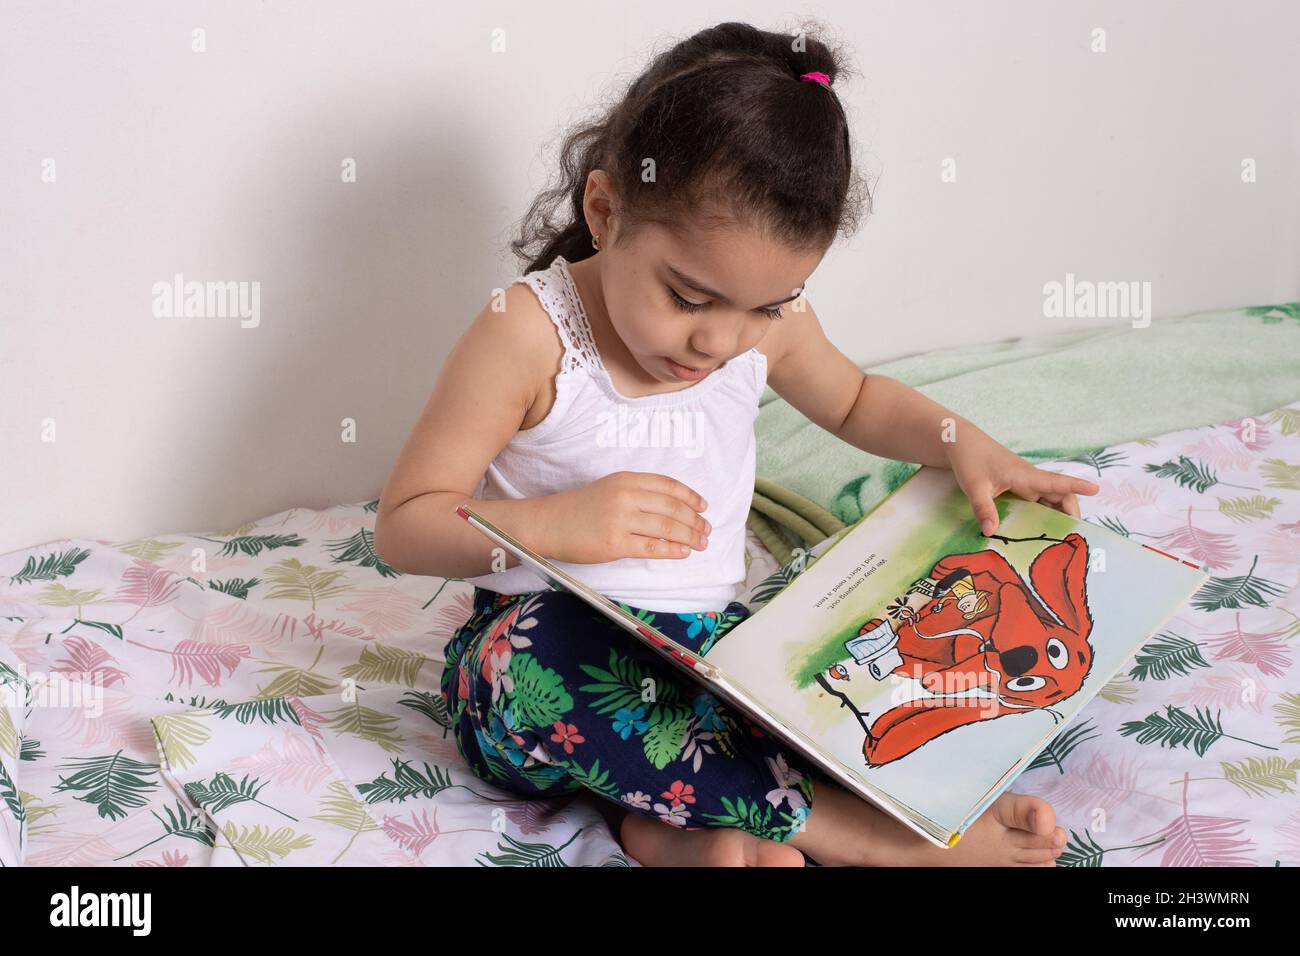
(702, 435)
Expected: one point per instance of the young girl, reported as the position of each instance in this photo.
(601, 409)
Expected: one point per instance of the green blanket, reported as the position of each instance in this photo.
(1045, 397)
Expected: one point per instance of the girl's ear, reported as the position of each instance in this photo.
(1059, 575)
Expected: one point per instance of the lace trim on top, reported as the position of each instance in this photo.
(564, 306)
(584, 340)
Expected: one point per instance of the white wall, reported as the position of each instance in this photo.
(225, 165)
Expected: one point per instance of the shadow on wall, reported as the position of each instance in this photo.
(365, 287)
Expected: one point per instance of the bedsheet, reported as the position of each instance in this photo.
(268, 695)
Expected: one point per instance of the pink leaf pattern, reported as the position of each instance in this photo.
(415, 836)
(206, 660)
(436, 745)
(1207, 547)
(1198, 840)
(310, 721)
(1124, 496)
(531, 816)
(1225, 453)
(72, 848)
(169, 858)
(147, 585)
(1242, 431)
(1097, 785)
(299, 764)
(1230, 690)
(1281, 546)
(89, 662)
(1265, 649)
(451, 615)
(385, 612)
(317, 627)
(112, 723)
(235, 623)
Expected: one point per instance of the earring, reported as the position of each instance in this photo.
(595, 243)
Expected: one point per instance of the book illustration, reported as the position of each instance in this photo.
(981, 639)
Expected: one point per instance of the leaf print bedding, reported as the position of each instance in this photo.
(1190, 754)
(269, 695)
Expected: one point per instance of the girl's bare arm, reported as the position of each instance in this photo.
(883, 416)
(485, 388)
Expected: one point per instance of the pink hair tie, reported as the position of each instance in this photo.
(816, 77)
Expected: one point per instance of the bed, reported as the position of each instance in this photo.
(268, 694)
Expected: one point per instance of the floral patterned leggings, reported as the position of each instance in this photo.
(547, 696)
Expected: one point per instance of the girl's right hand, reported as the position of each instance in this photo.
(628, 514)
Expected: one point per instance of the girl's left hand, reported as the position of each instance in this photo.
(984, 469)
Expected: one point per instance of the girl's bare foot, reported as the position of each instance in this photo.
(652, 843)
(1016, 830)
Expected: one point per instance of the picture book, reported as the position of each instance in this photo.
(920, 663)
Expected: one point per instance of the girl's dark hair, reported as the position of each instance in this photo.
(718, 130)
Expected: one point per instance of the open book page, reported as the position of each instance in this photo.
(928, 659)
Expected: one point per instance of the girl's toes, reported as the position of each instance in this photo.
(1022, 811)
(1039, 841)
(1036, 857)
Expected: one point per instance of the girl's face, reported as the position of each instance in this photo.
(684, 305)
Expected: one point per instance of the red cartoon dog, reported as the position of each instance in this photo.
(984, 630)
